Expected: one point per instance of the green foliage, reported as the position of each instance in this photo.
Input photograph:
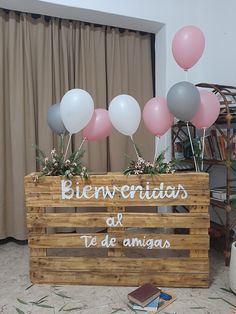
(57, 165)
(159, 166)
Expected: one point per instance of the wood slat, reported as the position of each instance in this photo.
(117, 250)
(125, 279)
(38, 230)
(198, 209)
(48, 191)
(115, 178)
(200, 199)
(195, 252)
(142, 220)
(177, 241)
(116, 269)
(38, 252)
(121, 264)
(191, 209)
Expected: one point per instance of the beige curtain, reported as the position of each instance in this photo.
(39, 61)
(129, 71)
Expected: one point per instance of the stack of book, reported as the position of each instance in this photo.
(149, 298)
(220, 193)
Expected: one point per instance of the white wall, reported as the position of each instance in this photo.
(216, 18)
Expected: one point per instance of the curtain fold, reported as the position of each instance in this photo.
(40, 60)
(129, 71)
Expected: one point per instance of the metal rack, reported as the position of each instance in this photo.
(227, 96)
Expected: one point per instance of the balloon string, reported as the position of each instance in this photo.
(84, 139)
(136, 152)
(62, 143)
(157, 138)
(82, 143)
(203, 147)
(191, 143)
(186, 75)
(67, 145)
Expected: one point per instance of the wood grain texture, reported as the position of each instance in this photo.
(36, 251)
(116, 268)
(118, 250)
(177, 241)
(121, 279)
(196, 252)
(141, 220)
(121, 264)
(47, 192)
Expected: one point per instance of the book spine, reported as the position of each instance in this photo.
(219, 195)
(215, 144)
(222, 146)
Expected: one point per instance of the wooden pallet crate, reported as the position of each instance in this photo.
(117, 241)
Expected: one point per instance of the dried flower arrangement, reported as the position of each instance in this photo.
(57, 165)
(159, 166)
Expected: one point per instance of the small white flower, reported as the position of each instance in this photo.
(35, 178)
(67, 162)
(141, 160)
(53, 152)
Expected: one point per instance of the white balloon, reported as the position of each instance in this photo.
(76, 109)
(125, 114)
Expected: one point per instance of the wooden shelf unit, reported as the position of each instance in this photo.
(227, 97)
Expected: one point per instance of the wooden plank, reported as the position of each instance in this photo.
(198, 252)
(188, 189)
(155, 191)
(36, 210)
(55, 186)
(198, 209)
(121, 264)
(151, 191)
(201, 179)
(177, 241)
(117, 250)
(37, 230)
(142, 220)
(38, 252)
(200, 280)
(57, 202)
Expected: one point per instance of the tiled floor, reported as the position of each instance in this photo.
(14, 281)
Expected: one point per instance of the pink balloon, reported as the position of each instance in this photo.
(188, 46)
(157, 117)
(208, 112)
(99, 126)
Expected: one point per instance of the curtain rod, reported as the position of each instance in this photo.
(48, 19)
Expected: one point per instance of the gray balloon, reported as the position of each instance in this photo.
(183, 100)
(54, 120)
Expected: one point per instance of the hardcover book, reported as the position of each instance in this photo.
(156, 305)
(219, 193)
(153, 305)
(144, 294)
